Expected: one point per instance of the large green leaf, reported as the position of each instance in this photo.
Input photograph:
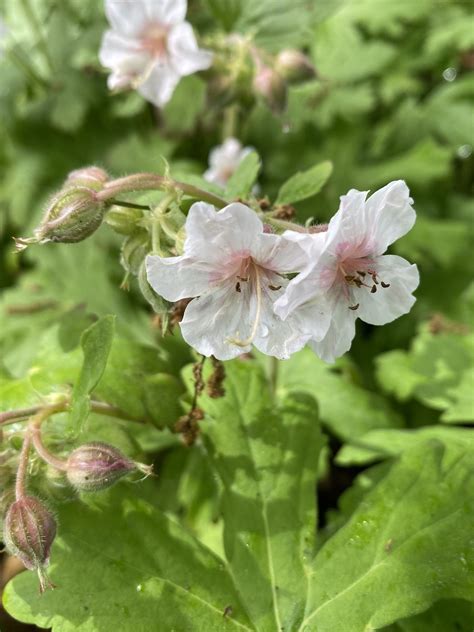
(242, 180)
(268, 466)
(408, 544)
(345, 407)
(123, 565)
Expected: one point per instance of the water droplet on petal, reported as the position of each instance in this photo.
(264, 331)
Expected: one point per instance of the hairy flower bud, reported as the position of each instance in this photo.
(294, 66)
(95, 466)
(73, 213)
(29, 531)
(271, 87)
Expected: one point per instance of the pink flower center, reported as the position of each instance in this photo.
(356, 268)
(154, 40)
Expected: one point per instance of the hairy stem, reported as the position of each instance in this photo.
(20, 482)
(150, 182)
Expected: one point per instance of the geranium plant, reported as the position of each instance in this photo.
(236, 370)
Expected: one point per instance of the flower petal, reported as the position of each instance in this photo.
(185, 55)
(390, 213)
(159, 86)
(274, 336)
(340, 334)
(166, 11)
(122, 55)
(349, 225)
(212, 320)
(218, 237)
(128, 17)
(175, 278)
(387, 304)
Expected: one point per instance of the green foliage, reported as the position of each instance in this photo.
(95, 342)
(261, 525)
(244, 177)
(305, 184)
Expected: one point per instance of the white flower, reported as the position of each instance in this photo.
(349, 276)
(235, 269)
(224, 160)
(150, 47)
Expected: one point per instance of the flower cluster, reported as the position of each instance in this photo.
(237, 273)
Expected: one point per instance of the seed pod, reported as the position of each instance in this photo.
(294, 66)
(95, 466)
(29, 531)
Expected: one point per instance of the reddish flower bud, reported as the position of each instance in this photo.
(271, 87)
(29, 531)
(95, 466)
(294, 66)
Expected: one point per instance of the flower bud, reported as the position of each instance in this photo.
(271, 87)
(92, 177)
(29, 531)
(95, 466)
(123, 220)
(294, 66)
(73, 213)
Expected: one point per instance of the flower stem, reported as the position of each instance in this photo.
(41, 449)
(101, 408)
(144, 207)
(20, 481)
(150, 182)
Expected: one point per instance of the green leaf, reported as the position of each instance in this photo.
(406, 546)
(120, 564)
(437, 370)
(382, 444)
(447, 615)
(244, 177)
(267, 463)
(95, 342)
(345, 407)
(304, 184)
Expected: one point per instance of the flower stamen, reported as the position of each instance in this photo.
(258, 289)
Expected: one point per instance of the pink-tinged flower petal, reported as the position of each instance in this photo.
(340, 334)
(221, 237)
(312, 244)
(390, 214)
(128, 17)
(124, 57)
(212, 320)
(166, 11)
(184, 53)
(175, 278)
(280, 254)
(350, 225)
(159, 86)
(388, 303)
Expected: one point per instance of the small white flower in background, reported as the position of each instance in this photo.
(236, 271)
(349, 277)
(150, 47)
(224, 160)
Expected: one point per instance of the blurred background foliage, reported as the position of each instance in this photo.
(392, 99)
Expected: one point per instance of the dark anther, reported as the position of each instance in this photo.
(374, 289)
(385, 284)
(349, 278)
(374, 278)
(274, 287)
(354, 307)
(361, 273)
(237, 287)
(243, 278)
